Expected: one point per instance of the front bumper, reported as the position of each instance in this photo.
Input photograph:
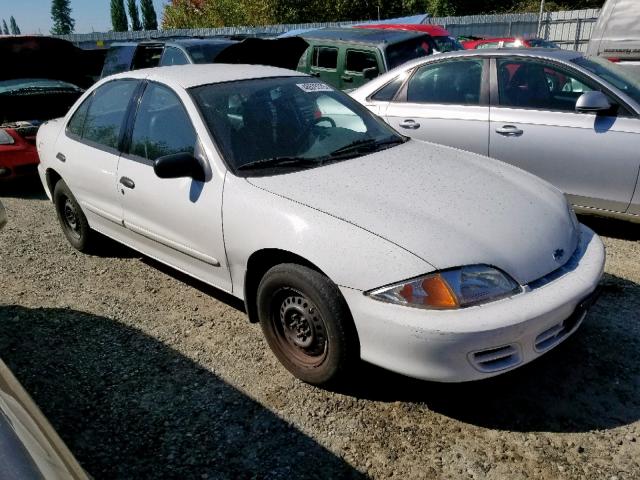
(483, 341)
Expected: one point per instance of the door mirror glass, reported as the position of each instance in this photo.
(370, 73)
(179, 165)
(592, 102)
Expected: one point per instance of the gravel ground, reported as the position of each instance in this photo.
(148, 374)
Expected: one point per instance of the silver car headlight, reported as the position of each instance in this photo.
(450, 289)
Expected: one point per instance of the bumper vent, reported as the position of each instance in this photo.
(495, 359)
(557, 333)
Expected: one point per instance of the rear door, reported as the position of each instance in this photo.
(445, 102)
(90, 150)
(324, 64)
(534, 125)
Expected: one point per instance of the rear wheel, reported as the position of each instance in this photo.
(72, 220)
(307, 324)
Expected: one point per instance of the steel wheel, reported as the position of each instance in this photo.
(70, 218)
(300, 328)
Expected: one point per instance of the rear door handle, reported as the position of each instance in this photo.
(509, 131)
(410, 124)
(127, 182)
(347, 79)
(60, 156)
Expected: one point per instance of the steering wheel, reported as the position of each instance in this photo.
(303, 134)
(316, 121)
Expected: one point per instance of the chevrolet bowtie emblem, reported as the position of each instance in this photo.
(558, 254)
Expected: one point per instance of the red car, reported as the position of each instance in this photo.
(442, 40)
(508, 42)
(40, 79)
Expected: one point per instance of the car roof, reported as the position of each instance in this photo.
(188, 76)
(537, 52)
(178, 41)
(366, 36)
(431, 29)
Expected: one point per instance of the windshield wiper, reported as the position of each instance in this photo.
(278, 162)
(365, 145)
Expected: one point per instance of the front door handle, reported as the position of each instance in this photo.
(346, 78)
(410, 124)
(60, 156)
(127, 182)
(509, 131)
(315, 74)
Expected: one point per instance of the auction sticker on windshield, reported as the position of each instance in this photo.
(314, 87)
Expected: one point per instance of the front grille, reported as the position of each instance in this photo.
(495, 359)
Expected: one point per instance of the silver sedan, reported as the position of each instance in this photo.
(570, 119)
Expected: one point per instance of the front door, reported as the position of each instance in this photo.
(534, 125)
(179, 220)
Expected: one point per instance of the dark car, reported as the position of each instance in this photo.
(125, 56)
(349, 57)
(40, 79)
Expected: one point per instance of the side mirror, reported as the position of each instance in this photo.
(592, 102)
(370, 73)
(179, 165)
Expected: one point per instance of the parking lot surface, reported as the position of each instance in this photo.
(148, 374)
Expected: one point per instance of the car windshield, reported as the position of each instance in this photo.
(273, 125)
(206, 52)
(447, 44)
(538, 42)
(614, 74)
(35, 85)
(402, 52)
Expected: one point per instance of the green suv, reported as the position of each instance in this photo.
(349, 57)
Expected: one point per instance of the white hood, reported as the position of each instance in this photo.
(446, 206)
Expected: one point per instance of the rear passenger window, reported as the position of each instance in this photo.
(324, 57)
(162, 126)
(107, 112)
(76, 124)
(357, 61)
(458, 82)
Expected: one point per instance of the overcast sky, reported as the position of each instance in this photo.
(34, 16)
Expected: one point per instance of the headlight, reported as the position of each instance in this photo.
(450, 289)
(5, 138)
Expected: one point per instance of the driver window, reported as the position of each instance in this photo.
(162, 126)
(540, 86)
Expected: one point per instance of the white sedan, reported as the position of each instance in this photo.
(345, 239)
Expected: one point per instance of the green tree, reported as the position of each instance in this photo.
(5, 29)
(15, 30)
(118, 16)
(134, 15)
(149, 17)
(63, 24)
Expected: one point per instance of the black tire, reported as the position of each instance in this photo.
(72, 220)
(307, 324)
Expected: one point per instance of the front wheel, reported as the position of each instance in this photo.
(72, 220)
(307, 324)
